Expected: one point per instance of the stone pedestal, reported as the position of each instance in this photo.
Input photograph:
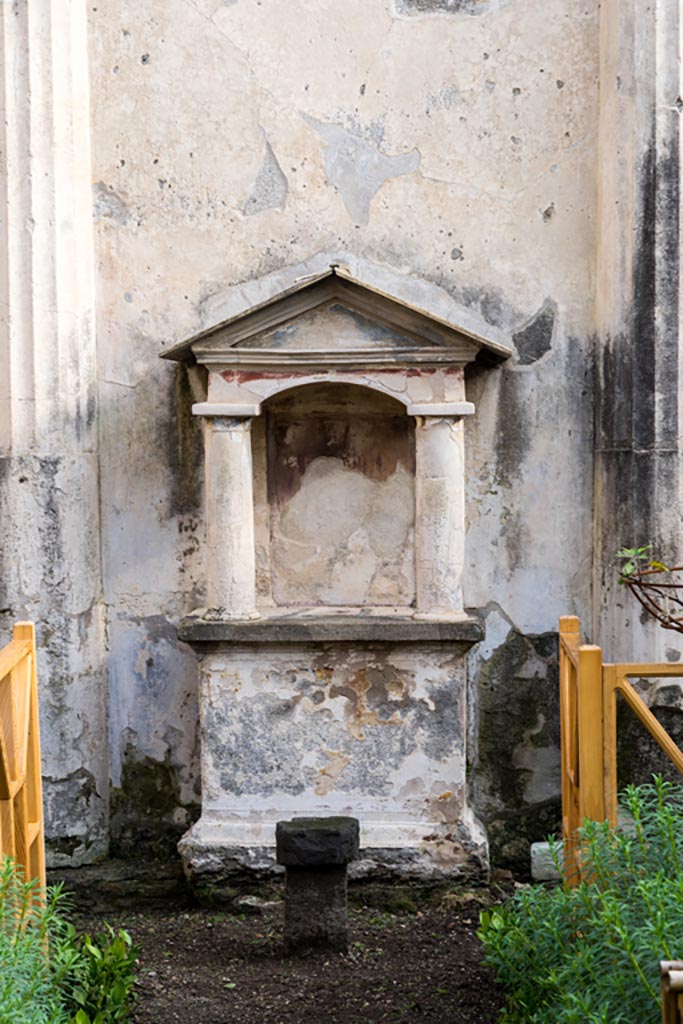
(316, 912)
(346, 715)
(315, 853)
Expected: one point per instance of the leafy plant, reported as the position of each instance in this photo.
(48, 973)
(101, 981)
(590, 955)
(30, 977)
(636, 560)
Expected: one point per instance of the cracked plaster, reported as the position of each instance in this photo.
(494, 121)
(176, 148)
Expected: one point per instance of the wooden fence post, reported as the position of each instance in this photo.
(672, 990)
(21, 794)
(591, 719)
(609, 741)
(569, 643)
(35, 825)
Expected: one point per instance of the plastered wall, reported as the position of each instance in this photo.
(211, 143)
(453, 141)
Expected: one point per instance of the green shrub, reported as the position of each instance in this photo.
(590, 955)
(101, 981)
(29, 978)
(48, 973)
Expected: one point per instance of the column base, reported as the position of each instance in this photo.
(216, 613)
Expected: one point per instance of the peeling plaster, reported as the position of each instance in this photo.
(417, 7)
(331, 772)
(469, 221)
(344, 539)
(516, 770)
(108, 204)
(374, 731)
(358, 169)
(535, 339)
(270, 188)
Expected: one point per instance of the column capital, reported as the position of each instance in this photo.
(229, 424)
(227, 410)
(441, 410)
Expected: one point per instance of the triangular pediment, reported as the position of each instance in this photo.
(332, 319)
(334, 327)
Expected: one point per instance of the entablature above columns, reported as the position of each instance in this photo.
(431, 393)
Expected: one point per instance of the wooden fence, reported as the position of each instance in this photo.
(588, 722)
(672, 991)
(21, 792)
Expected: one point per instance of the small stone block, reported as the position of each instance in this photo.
(317, 842)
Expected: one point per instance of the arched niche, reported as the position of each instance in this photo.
(310, 396)
(334, 498)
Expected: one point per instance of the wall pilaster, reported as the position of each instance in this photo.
(49, 500)
(638, 467)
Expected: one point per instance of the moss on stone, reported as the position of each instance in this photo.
(144, 808)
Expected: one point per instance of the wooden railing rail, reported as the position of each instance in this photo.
(21, 794)
(588, 721)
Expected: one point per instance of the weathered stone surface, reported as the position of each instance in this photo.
(347, 154)
(535, 339)
(468, 187)
(515, 773)
(638, 456)
(50, 557)
(638, 754)
(316, 910)
(270, 188)
(417, 7)
(544, 867)
(340, 474)
(373, 729)
(131, 884)
(299, 627)
(311, 842)
(148, 809)
(213, 869)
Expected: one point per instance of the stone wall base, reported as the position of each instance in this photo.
(217, 854)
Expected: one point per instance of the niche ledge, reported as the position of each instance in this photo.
(205, 626)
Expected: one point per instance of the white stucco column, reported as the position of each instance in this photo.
(439, 515)
(231, 569)
(50, 563)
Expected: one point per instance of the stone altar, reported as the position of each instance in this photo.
(332, 653)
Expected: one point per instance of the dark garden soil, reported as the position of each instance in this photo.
(417, 963)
